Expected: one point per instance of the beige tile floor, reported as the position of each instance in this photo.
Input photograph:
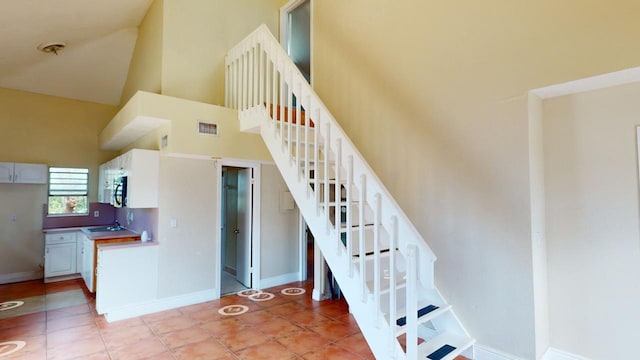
(286, 327)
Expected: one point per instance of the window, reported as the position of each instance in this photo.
(68, 190)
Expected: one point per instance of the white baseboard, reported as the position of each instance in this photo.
(279, 280)
(153, 306)
(486, 353)
(556, 354)
(21, 276)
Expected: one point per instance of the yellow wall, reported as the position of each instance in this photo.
(197, 35)
(47, 130)
(145, 71)
(434, 96)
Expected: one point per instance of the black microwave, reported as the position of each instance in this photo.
(120, 191)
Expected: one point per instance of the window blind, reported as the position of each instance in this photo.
(68, 181)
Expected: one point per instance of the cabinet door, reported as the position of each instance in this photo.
(30, 173)
(60, 259)
(79, 252)
(87, 262)
(142, 186)
(101, 179)
(6, 172)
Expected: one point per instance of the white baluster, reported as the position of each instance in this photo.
(251, 85)
(376, 252)
(327, 185)
(289, 112)
(412, 303)
(338, 195)
(226, 81)
(262, 75)
(307, 146)
(245, 76)
(316, 154)
(281, 104)
(298, 122)
(361, 236)
(348, 214)
(392, 280)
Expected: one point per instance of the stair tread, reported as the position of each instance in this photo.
(423, 306)
(445, 346)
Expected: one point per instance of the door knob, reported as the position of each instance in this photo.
(237, 231)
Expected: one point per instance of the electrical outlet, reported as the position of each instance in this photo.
(14, 217)
(96, 213)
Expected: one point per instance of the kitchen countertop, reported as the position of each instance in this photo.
(99, 235)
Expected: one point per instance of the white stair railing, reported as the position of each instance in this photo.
(378, 257)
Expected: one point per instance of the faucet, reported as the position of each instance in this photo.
(117, 226)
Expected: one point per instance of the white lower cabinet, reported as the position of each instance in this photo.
(60, 259)
(87, 261)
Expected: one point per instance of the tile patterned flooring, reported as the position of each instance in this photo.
(286, 327)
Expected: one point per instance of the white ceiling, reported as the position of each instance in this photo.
(100, 37)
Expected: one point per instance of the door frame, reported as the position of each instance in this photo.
(284, 28)
(255, 215)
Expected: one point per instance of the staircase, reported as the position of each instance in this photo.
(382, 264)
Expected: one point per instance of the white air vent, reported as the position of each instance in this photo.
(206, 128)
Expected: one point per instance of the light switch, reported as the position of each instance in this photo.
(174, 223)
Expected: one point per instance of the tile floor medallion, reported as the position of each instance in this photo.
(293, 291)
(9, 347)
(248, 293)
(263, 296)
(233, 310)
(8, 305)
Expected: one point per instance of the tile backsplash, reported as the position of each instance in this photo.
(107, 216)
(139, 220)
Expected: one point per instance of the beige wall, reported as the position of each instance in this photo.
(145, 70)
(280, 246)
(187, 255)
(591, 179)
(47, 130)
(434, 94)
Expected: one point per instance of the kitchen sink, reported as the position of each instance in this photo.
(106, 228)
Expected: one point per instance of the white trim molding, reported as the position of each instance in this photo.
(157, 305)
(279, 280)
(556, 354)
(483, 352)
(621, 77)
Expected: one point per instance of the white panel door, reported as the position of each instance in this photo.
(243, 252)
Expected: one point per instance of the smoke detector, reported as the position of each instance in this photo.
(52, 47)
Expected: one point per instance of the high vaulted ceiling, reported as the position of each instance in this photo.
(100, 37)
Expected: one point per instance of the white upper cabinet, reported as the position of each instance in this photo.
(6, 172)
(141, 167)
(23, 173)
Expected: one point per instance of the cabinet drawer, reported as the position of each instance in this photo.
(59, 238)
